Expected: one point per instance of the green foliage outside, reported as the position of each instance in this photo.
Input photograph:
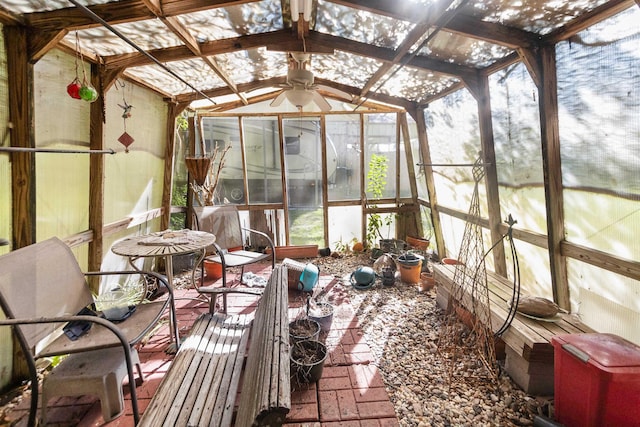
(376, 182)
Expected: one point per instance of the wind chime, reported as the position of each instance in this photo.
(77, 90)
(125, 139)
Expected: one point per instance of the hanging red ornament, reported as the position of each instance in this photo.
(126, 140)
(73, 88)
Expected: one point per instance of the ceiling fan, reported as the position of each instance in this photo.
(300, 89)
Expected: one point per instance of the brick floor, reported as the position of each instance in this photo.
(350, 392)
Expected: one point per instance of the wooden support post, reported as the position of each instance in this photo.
(325, 187)
(416, 225)
(20, 83)
(96, 176)
(173, 111)
(491, 174)
(363, 195)
(285, 197)
(191, 148)
(425, 153)
(550, 133)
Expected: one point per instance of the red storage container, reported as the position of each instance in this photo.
(596, 380)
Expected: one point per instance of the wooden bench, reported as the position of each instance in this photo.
(42, 288)
(528, 349)
(201, 385)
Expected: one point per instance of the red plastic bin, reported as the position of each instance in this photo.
(596, 380)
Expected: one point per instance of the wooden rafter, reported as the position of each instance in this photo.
(462, 24)
(433, 14)
(588, 19)
(192, 44)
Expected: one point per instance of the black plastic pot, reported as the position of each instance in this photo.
(307, 361)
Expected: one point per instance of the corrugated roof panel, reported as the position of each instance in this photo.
(194, 71)
(345, 68)
(360, 25)
(254, 64)
(147, 35)
(233, 21)
(414, 84)
(22, 6)
(458, 49)
(540, 17)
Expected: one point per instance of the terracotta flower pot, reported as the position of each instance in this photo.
(213, 269)
(427, 282)
(418, 243)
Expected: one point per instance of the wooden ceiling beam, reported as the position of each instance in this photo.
(9, 18)
(211, 48)
(278, 41)
(221, 91)
(490, 32)
(72, 18)
(41, 42)
(119, 12)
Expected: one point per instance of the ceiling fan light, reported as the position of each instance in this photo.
(306, 9)
(299, 97)
(303, 7)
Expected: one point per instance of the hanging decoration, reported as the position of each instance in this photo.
(125, 139)
(83, 90)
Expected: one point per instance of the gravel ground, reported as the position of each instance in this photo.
(402, 327)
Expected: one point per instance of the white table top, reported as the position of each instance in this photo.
(164, 243)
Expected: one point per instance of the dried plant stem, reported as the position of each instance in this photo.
(206, 192)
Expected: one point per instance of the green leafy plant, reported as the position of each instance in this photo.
(376, 182)
(344, 247)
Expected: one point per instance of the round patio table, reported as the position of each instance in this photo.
(165, 244)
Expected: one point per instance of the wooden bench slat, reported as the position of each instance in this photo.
(202, 383)
(284, 390)
(190, 383)
(219, 402)
(163, 399)
(270, 399)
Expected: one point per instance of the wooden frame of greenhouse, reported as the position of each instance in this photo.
(542, 96)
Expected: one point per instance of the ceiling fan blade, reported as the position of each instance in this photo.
(336, 92)
(321, 102)
(278, 99)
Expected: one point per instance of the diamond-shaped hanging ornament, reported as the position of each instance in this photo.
(126, 140)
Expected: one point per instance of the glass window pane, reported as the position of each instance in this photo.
(303, 168)
(345, 225)
(380, 150)
(343, 156)
(599, 114)
(262, 151)
(454, 138)
(516, 129)
(220, 133)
